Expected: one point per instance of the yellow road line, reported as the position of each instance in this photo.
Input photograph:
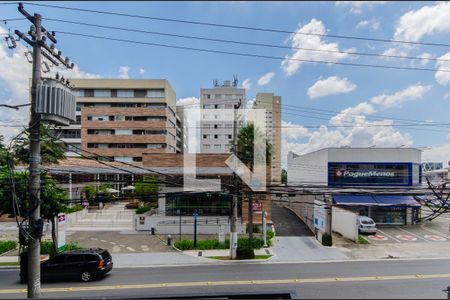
(229, 282)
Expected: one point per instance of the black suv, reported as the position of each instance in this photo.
(82, 264)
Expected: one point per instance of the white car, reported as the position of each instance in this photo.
(366, 225)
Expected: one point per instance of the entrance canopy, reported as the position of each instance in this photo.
(375, 200)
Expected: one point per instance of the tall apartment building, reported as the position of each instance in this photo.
(272, 105)
(123, 118)
(217, 135)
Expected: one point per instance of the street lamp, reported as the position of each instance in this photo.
(179, 214)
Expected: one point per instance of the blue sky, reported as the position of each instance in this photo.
(400, 94)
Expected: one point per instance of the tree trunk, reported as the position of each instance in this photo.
(55, 245)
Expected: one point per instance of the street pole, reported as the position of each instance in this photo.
(34, 247)
(264, 228)
(250, 215)
(235, 189)
(179, 213)
(195, 228)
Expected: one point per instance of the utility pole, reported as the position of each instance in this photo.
(39, 35)
(235, 189)
(250, 215)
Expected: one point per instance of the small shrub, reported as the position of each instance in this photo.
(47, 248)
(362, 240)
(327, 240)
(143, 209)
(184, 245)
(6, 246)
(255, 243)
(269, 234)
(245, 253)
(74, 208)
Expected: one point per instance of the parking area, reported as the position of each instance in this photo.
(434, 232)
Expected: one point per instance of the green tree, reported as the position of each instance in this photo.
(283, 176)
(52, 149)
(147, 189)
(246, 146)
(89, 192)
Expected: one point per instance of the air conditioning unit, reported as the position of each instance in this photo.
(55, 102)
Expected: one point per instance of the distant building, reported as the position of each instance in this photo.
(272, 105)
(217, 135)
(123, 118)
(431, 166)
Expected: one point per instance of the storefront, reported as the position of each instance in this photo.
(383, 209)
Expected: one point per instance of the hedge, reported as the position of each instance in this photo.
(74, 208)
(6, 246)
(47, 248)
(255, 243)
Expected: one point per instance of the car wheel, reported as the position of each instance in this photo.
(86, 276)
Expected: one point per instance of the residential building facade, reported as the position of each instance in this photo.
(272, 106)
(216, 133)
(123, 118)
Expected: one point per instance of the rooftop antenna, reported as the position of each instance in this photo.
(235, 81)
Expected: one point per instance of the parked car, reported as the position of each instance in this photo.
(103, 197)
(366, 225)
(84, 264)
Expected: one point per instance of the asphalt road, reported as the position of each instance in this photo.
(287, 223)
(356, 279)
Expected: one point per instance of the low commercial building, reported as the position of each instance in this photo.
(374, 182)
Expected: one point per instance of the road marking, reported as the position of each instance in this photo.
(94, 239)
(388, 235)
(405, 237)
(123, 246)
(433, 230)
(413, 234)
(230, 282)
(103, 241)
(131, 249)
(378, 237)
(435, 238)
(112, 243)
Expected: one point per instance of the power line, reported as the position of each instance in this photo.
(241, 42)
(237, 26)
(249, 54)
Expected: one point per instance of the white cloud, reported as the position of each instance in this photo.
(357, 6)
(14, 79)
(353, 115)
(448, 137)
(446, 96)
(246, 84)
(440, 153)
(441, 77)
(123, 72)
(330, 86)
(425, 58)
(293, 132)
(291, 63)
(373, 24)
(394, 52)
(266, 78)
(411, 93)
(141, 71)
(189, 102)
(415, 24)
(249, 104)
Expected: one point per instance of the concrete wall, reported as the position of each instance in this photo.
(171, 225)
(303, 206)
(310, 168)
(72, 218)
(345, 223)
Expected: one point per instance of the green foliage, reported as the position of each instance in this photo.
(52, 150)
(256, 243)
(6, 246)
(48, 248)
(270, 234)
(362, 240)
(73, 208)
(327, 240)
(283, 176)
(245, 145)
(245, 253)
(143, 209)
(89, 192)
(147, 189)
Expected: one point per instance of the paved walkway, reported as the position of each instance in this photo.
(303, 249)
(287, 223)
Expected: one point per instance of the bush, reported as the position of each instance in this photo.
(245, 253)
(184, 245)
(143, 209)
(6, 246)
(327, 240)
(47, 248)
(74, 208)
(256, 243)
(362, 240)
(269, 234)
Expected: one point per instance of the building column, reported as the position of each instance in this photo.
(70, 187)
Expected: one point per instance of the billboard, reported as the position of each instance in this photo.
(61, 230)
(367, 174)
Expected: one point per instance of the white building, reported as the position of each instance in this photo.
(217, 136)
(356, 167)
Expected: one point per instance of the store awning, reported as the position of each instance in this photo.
(375, 200)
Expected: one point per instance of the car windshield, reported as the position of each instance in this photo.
(225, 149)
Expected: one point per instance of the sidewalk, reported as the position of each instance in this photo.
(223, 252)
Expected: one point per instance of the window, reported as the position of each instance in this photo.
(205, 136)
(120, 118)
(123, 158)
(157, 93)
(102, 93)
(218, 96)
(59, 259)
(137, 158)
(74, 258)
(216, 136)
(228, 106)
(207, 146)
(217, 146)
(79, 93)
(124, 132)
(125, 93)
(230, 136)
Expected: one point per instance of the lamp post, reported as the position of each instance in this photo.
(195, 228)
(179, 213)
